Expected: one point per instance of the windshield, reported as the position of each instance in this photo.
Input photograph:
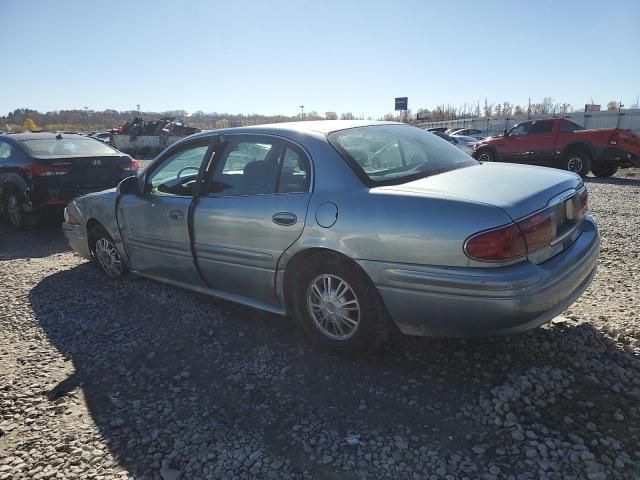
(52, 147)
(390, 154)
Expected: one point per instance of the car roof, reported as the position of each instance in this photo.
(318, 126)
(39, 136)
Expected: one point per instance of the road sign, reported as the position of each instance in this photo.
(401, 103)
(423, 116)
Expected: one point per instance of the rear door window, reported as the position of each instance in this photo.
(544, 126)
(248, 167)
(568, 126)
(295, 171)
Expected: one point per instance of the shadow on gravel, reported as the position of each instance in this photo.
(176, 379)
(46, 239)
(614, 181)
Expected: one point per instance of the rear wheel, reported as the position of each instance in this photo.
(484, 155)
(577, 162)
(104, 251)
(604, 169)
(15, 212)
(337, 306)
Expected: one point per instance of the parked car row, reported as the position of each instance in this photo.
(354, 228)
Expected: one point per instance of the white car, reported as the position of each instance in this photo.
(461, 142)
(469, 132)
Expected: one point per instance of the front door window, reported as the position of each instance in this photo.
(179, 173)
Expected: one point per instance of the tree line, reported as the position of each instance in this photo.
(85, 119)
(24, 119)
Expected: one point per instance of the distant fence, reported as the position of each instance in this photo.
(627, 119)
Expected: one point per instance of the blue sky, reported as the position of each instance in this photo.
(270, 57)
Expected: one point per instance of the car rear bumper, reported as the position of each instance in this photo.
(76, 235)
(443, 301)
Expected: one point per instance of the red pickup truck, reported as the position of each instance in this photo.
(560, 143)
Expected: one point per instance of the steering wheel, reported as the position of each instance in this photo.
(186, 168)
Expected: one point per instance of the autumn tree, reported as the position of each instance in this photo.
(29, 125)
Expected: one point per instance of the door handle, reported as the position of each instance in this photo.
(176, 215)
(284, 218)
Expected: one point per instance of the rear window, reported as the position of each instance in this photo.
(52, 147)
(392, 154)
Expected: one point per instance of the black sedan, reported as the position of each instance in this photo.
(41, 172)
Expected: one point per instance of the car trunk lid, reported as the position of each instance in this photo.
(519, 190)
(86, 173)
(547, 205)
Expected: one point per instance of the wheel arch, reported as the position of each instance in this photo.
(578, 146)
(294, 264)
(91, 224)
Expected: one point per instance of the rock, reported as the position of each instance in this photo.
(170, 474)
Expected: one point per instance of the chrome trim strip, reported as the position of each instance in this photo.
(215, 252)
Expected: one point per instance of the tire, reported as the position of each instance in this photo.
(577, 162)
(485, 155)
(105, 254)
(14, 212)
(330, 289)
(608, 169)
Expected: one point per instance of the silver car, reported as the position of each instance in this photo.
(352, 227)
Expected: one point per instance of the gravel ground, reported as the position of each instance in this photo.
(126, 379)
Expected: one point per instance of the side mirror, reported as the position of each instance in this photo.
(129, 186)
(504, 132)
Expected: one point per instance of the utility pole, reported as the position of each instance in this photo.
(301, 112)
(620, 105)
(138, 109)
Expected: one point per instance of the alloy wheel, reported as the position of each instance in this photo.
(108, 257)
(574, 164)
(484, 157)
(333, 307)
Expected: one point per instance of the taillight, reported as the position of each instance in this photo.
(584, 202)
(512, 241)
(133, 166)
(537, 230)
(501, 244)
(39, 170)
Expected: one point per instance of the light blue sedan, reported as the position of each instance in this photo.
(352, 227)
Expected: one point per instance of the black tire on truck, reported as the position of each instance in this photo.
(577, 161)
(484, 155)
(603, 170)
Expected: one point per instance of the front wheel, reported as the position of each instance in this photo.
(484, 155)
(577, 162)
(337, 306)
(604, 169)
(104, 251)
